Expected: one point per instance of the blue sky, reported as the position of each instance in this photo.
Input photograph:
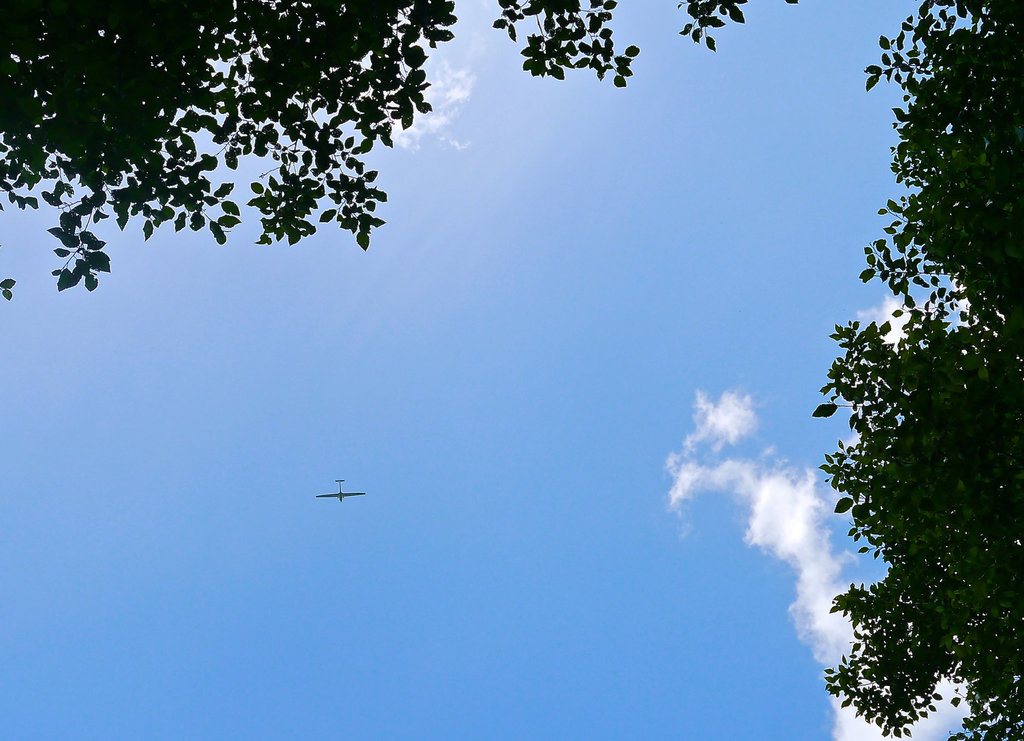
(576, 285)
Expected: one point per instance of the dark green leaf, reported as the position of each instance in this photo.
(98, 261)
(66, 279)
(218, 233)
(68, 239)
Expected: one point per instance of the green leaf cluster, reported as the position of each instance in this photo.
(134, 108)
(935, 482)
(568, 36)
(711, 14)
(131, 109)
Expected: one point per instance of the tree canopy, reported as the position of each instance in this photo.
(132, 110)
(935, 481)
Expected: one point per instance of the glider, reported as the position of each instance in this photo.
(341, 495)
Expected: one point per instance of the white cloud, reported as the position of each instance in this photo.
(449, 91)
(884, 313)
(936, 727)
(848, 727)
(788, 518)
(728, 421)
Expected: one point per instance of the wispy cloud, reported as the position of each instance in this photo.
(884, 313)
(728, 421)
(449, 91)
(789, 515)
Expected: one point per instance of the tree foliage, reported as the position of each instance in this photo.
(130, 109)
(935, 481)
